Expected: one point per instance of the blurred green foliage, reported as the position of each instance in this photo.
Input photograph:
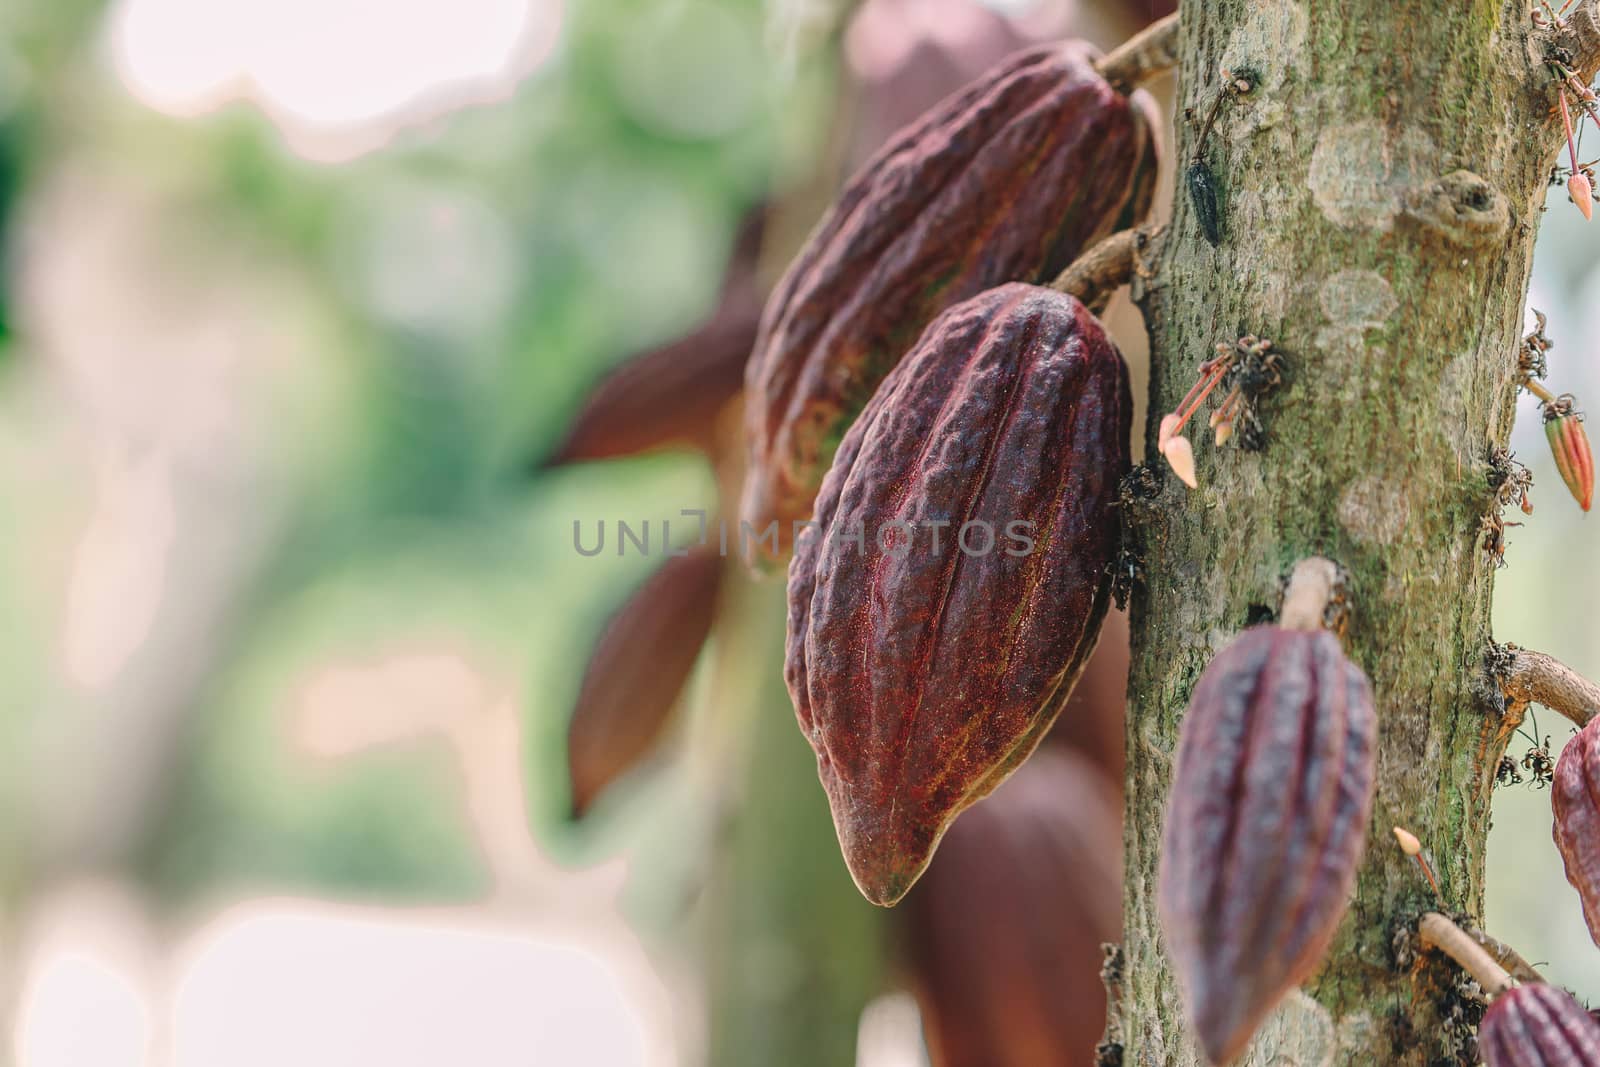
(463, 287)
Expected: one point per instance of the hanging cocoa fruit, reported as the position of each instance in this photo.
(670, 396)
(1268, 814)
(1537, 1025)
(1007, 180)
(638, 670)
(1575, 796)
(957, 577)
(1041, 861)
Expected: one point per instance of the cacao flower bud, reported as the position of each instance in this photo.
(1537, 1025)
(1041, 861)
(1563, 428)
(1575, 796)
(1270, 799)
(637, 671)
(925, 667)
(1582, 194)
(1007, 180)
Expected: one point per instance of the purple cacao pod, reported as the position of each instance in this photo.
(1007, 180)
(1538, 1025)
(1575, 796)
(638, 669)
(926, 661)
(1041, 862)
(1267, 819)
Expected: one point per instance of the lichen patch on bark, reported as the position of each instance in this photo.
(1361, 171)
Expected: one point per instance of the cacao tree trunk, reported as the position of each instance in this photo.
(1380, 188)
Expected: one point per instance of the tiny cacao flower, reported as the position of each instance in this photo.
(1582, 194)
(1537, 1025)
(1270, 798)
(1041, 860)
(1007, 180)
(637, 671)
(1569, 442)
(1575, 797)
(925, 670)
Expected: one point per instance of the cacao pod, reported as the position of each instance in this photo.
(1575, 796)
(925, 666)
(1537, 1025)
(1040, 861)
(638, 669)
(1092, 718)
(1007, 180)
(671, 396)
(668, 396)
(1569, 443)
(1267, 819)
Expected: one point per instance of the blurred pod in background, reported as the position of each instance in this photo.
(670, 396)
(638, 672)
(1003, 936)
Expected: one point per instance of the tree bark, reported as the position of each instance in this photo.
(1380, 188)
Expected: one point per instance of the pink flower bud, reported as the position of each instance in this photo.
(1582, 194)
(1180, 456)
(1574, 460)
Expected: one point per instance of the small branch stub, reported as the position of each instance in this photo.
(1535, 678)
(1439, 933)
(1096, 274)
(1148, 53)
(1312, 587)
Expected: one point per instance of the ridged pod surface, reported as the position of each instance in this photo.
(1006, 180)
(1267, 819)
(1538, 1025)
(1041, 861)
(922, 674)
(1575, 796)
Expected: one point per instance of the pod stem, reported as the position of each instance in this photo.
(1151, 51)
(1097, 273)
(1311, 588)
(1438, 932)
(1533, 677)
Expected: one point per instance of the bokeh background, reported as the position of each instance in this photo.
(302, 303)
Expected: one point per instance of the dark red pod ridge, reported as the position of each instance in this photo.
(1006, 180)
(1538, 1025)
(1265, 827)
(1575, 796)
(923, 675)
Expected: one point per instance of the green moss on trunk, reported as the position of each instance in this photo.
(1381, 187)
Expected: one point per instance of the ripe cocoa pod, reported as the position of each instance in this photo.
(925, 660)
(1575, 796)
(1041, 861)
(1537, 1025)
(637, 671)
(1007, 180)
(1266, 823)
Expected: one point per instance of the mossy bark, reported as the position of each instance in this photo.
(1380, 189)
